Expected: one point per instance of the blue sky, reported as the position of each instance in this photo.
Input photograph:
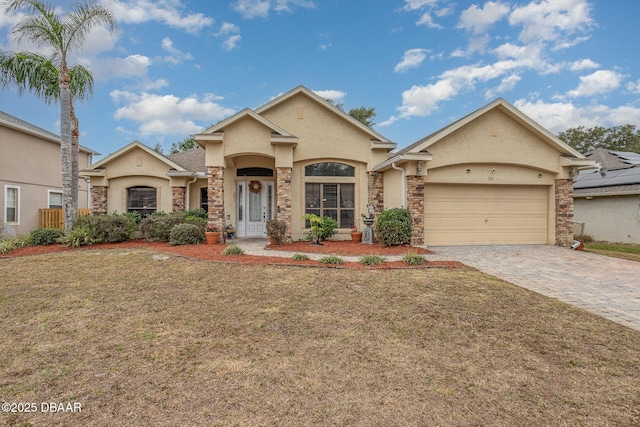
(174, 67)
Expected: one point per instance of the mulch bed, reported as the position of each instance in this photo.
(214, 253)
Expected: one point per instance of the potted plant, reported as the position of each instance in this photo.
(212, 234)
(356, 235)
(276, 231)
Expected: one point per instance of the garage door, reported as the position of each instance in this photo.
(485, 215)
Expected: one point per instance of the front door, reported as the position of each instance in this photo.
(254, 207)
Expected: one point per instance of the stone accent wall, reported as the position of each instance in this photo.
(215, 195)
(415, 205)
(99, 198)
(564, 212)
(375, 187)
(283, 195)
(178, 198)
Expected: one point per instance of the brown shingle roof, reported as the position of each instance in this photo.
(193, 160)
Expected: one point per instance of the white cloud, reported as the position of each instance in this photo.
(112, 68)
(230, 34)
(601, 81)
(551, 20)
(250, 9)
(176, 56)
(418, 4)
(560, 116)
(426, 9)
(412, 58)
(332, 94)
(634, 87)
(507, 84)
(478, 20)
(166, 12)
(583, 65)
(168, 114)
(427, 20)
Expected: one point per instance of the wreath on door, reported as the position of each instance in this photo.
(255, 186)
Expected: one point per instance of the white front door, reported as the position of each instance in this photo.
(254, 207)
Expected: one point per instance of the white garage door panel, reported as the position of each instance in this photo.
(485, 215)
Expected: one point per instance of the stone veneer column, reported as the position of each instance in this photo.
(415, 205)
(99, 197)
(375, 187)
(215, 195)
(283, 194)
(564, 212)
(178, 198)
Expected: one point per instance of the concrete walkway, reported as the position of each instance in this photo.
(609, 287)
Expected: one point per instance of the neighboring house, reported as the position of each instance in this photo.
(30, 173)
(493, 177)
(607, 201)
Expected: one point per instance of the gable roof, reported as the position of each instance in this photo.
(18, 124)
(130, 147)
(509, 110)
(329, 106)
(191, 160)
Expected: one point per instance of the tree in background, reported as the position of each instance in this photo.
(617, 138)
(64, 35)
(362, 114)
(185, 145)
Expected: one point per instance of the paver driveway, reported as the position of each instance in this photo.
(603, 285)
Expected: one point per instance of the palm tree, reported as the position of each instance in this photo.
(63, 35)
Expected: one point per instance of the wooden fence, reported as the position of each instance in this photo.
(54, 218)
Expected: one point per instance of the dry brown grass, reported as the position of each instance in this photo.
(172, 342)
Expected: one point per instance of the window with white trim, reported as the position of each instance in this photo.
(11, 204)
(55, 199)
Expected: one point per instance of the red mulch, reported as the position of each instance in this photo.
(214, 253)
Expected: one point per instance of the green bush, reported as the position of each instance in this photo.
(414, 259)
(79, 236)
(109, 228)
(11, 244)
(198, 213)
(45, 236)
(157, 226)
(372, 260)
(299, 257)
(394, 227)
(321, 228)
(331, 259)
(185, 234)
(233, 250)
(584, 238)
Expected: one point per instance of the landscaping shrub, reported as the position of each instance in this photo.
(109, 228)
(198, 213)
(331, 259)
(185, 234)
(299, 257)
(372, 260)
(233, 250)
(12, 243)
(79, 236)
(414, 259)
(394, 227)
(321, 228)
(157, 226)
(45, 236)
(584, 238)
(277, 230)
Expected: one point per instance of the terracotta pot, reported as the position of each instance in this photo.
(356, 236)
(212, 237)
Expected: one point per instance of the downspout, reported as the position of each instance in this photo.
(186, 196)
(404, 184)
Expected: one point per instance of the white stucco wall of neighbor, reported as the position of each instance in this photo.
(613, 219)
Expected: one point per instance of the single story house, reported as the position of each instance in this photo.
(493, 177)
(607, 201)
(31, 173)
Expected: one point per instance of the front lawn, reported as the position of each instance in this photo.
(141, 338)
(618, 250)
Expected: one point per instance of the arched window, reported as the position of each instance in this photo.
(142, 200)
(330, 191)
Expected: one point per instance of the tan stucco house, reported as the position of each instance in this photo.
(30, 173)
(493, 177)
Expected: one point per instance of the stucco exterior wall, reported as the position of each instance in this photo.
(613, 219)
(33, 164)
(117, 192)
